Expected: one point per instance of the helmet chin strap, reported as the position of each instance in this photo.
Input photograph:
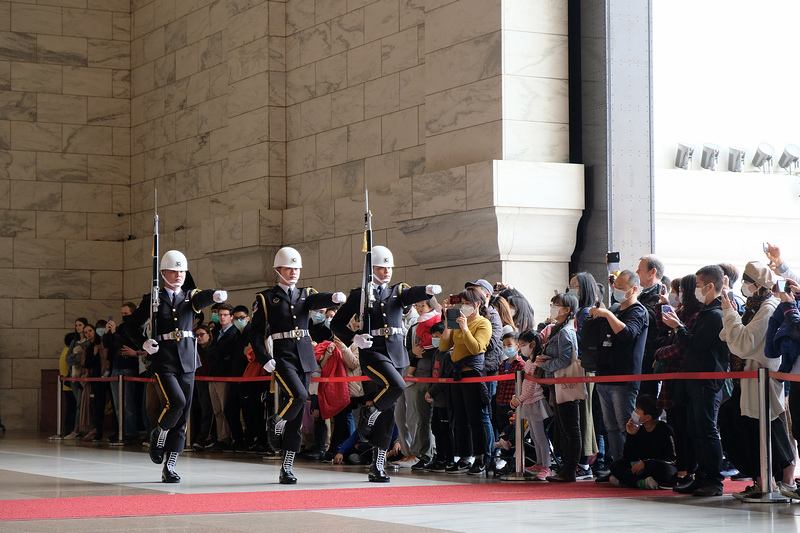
(381, 281)
(284, 280)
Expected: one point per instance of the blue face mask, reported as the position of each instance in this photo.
(100, 332)
(317, 317)
(215, 318)
(327, 322)
(509, 352)
(435, 342)
(573, 292)
(240, 323)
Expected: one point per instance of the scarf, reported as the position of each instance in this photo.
(333, 396)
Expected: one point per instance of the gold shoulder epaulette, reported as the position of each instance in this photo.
(312, 290)
(402, 286)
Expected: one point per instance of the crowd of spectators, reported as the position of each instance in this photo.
(685, 435)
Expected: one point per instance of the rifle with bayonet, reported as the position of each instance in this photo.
(367, 284)
(155, 298)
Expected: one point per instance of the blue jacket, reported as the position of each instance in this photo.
(783, 335)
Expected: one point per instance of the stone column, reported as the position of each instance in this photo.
(499, 200)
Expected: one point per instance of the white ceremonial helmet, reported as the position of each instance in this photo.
(382, 257)
(174, 260)
(287, 257)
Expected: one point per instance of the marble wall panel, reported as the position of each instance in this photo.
(121, 26)
(309, 188)
(463, 147)
(440, 192)
(61, 167)
(551, 141)
(300, 14)
(318, 223)
(93, 309)
(364, 139)
(34, 77)
(399, 51)
(87, 139)
(315, 43)
(248, 25)
(309, 251)
(402, 199)
(50, 225)
(347, 106)
(382, 170)
(5, 310)
(364, 63)
(17, 165)
(107, 227)
(42, 197)
(121, 141)
(549, 16)
(87, 81)
(109, 112)
(482, 185)
(87, 23)
(62, 284)
(185, 123)
(228, 232)
(175, 35)
(109, 169)
(464, 106)
(331, 147)
(477, 59)
(187, 61)
(293, 220)
(335, 256)
(6, 253)
(461, 21)
(212, 50)
(250, 227)
(248, 163)
(36, 19)
(535, 99)
(271, 227)
(90, 198)
(248, 129)
(44, 253)
(400, 130)
(27, 373)
(301, 84)
(61, 108)
(412, 161)
(347, 179)
(17, 46)
(382, 96)
(17, 345)
(412, 13)
(21, 282)
(381, 19)
(535, 54)
(331, 74)
(349, 213)
(103, 255)
(248, 195)
(61, 50)
(175, 96)
(248, 94)
(121, 201)
(17, 106)
(347, 31)
(35, 136)
(5, 17)
(300, 156)
(165, 70)
(248, 59)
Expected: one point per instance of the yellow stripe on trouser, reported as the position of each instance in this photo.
(291, 396)
(381, 393)
(164, 392)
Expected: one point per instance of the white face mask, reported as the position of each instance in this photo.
(525, 350)
(747, 291)
(555, 311)
(619, 295)
(698, 293)
(673, 300)
(467, 310)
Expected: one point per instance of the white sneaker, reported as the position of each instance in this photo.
(790, 491)
(407, 462)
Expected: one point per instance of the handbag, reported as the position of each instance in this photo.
(567, 392)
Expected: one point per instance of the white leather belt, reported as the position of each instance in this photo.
(176, 335)
(294, 334)
(386, 332)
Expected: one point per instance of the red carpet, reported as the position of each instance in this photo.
(371, 496)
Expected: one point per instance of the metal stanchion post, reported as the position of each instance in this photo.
(519, 456)
(765, 448)
(120, 409)
(59, 392)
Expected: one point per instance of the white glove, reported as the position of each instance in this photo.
(269, 366)
(339, 298)
(220, 296)
(363, 340)
(150, 346)
(433, 289)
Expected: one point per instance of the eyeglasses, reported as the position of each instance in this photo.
(202, 335)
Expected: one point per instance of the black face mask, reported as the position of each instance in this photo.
(125, 318)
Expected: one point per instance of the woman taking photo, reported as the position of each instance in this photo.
(76, 359)
(559, 353)
(469, 343)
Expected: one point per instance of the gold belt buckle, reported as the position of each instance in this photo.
(297, 334)
(386, 331)
(178, 334)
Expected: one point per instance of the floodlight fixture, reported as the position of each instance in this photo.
(683, 158)
(763, 157)
(735, 159)
(789, 157)
(710, 156)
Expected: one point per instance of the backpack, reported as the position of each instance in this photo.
(595, 346)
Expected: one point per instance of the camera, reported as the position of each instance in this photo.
(784, 286)
(455, 299)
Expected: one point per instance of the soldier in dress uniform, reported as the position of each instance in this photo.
(173, 355)
(382, 351)
(282, 314)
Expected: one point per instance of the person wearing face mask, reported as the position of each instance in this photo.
(438, 395)
(629, 324)
(282, 313)
(505, 389)
(213, 323)
(382, 352)
(746, 337)
(173, 355)
(243, 401)
(648, 459)
(124, 362)
(705, 352)
(469, 343)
